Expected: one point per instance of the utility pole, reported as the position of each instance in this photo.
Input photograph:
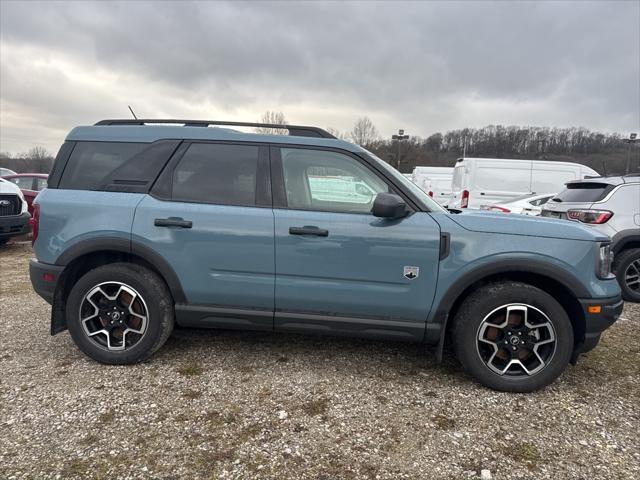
(398, 138)
(632, 139)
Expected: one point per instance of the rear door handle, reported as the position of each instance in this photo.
(173, 222)
(309, 230)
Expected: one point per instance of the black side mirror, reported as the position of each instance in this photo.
(389, 205)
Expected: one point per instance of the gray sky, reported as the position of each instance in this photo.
(421, 66)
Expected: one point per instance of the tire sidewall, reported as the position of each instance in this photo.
(156, 309)
(489, 299)
(627, 258)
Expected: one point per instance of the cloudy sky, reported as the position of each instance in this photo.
(421, 66)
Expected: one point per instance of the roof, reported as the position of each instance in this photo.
(151, 133)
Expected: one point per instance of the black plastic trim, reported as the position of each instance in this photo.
(127, 246)
(621, 239)
(43, 288)
(349, 326)
(596, 323)
(445, 245)
(206, 316)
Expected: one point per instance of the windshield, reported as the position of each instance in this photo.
(431, 204)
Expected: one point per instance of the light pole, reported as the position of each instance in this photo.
(398, 138)
(632, 139)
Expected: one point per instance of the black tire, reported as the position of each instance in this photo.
(483, 302)
(156, 299)
(627, 266)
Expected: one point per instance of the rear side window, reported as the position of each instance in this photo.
(114, 166)
(91, 162)
(217, 173)
(586, 192)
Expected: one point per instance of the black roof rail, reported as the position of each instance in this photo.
(294, 130)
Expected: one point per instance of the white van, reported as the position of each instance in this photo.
(483, 181)
(435, 181)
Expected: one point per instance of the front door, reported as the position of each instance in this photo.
(338, 268)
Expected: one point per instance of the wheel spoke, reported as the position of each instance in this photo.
(106, 319)
(517, 348)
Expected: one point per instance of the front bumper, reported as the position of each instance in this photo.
(13, 225)
(44, 278)
(599, 315)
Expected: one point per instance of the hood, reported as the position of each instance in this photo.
(9, 187)
(513, 224)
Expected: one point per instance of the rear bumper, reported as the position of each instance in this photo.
(13, 225)
(44, 278)
(596, 321)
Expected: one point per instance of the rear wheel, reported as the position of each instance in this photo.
(512, 337)
(120, 313)
(627, 268)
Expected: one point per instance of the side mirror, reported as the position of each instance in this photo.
(389, 205)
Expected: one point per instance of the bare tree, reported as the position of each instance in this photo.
(337, 133)
(364, 132)
(274, 118)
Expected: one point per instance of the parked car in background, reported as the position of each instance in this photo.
(6, 171)
(30, 184)
(14, 217)
(143, 226)
(525, 205)
(487, 181)
(435, 181)
(610, 205)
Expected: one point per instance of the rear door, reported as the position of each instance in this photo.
(209, 216)
(339, 268)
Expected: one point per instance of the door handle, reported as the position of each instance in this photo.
(309, 230)
(173, 222)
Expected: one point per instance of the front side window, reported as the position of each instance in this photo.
(41, 183)
(328, 181)
(217, 173)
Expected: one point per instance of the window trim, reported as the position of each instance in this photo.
(278, 186)
(162, 189)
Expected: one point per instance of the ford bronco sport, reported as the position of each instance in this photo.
(147, 223)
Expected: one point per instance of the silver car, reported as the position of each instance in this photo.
(611, 205)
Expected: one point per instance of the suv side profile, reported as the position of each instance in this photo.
(610, 205)
(144, 226)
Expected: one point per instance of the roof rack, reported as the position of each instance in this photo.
(294, 130)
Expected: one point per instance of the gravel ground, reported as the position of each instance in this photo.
(222, 404)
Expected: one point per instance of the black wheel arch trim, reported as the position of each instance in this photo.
(620, 240)
(118, 244)
(436, 327)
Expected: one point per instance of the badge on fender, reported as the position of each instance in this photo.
(411, 272)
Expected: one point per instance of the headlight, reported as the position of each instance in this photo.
(605, 258)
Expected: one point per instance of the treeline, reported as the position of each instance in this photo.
(36, 160)
(606, 153)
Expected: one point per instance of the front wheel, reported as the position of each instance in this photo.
(513, 337)
(120, 313)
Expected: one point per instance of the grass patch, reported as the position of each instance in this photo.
(525, 452)
(316, 407)
(191, 369)
(192, 394)
(107, 417)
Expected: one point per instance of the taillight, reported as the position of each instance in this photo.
(430, 193)
(594, 217)
(35, 223)
(464, 201)
(495, 208)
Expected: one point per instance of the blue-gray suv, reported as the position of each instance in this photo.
(150, 223)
